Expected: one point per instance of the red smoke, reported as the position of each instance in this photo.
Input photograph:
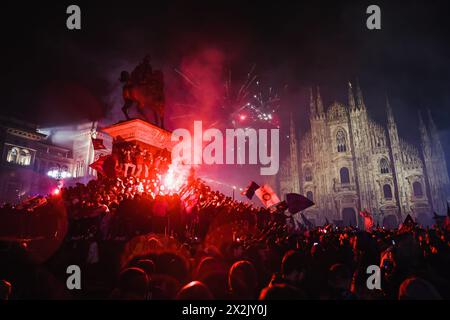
(196, 89)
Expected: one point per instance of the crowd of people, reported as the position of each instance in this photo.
(133, 241)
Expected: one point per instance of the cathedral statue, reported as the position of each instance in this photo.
(144, 87)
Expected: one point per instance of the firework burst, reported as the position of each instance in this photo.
(244, 103)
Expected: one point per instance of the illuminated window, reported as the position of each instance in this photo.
(13, 155)
(417, 189)
(308, 174)
(387, 191)
(341, 141)
(24, 157)
(345, 175)
(384, 166)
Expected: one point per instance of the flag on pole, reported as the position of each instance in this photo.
(250, 191)
(267, 196)
(307, 223)
(98, 144)
(99, 165)
(368, 220)
(296, 202)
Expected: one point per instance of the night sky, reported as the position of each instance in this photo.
(53, 76)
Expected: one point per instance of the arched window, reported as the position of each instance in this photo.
(24, 157)
(345, 175)
(387, 191)
(384, 165)
(13, 155)
(308, 174)
(341, 141)
(417, 189)
(309, 195)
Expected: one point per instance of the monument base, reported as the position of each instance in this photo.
(141, 133)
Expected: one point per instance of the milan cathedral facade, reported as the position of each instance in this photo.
(347, 162)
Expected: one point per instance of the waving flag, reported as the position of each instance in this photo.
(98, 144)
(296, 202)
(104, 165)
(368, 220)
(250, 191)
(267, 196)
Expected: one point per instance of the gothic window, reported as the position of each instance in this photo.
(387, 191)
(417, 189)
(345, 175)
(13, 155)
(308, 174)
(309, 195)
(384, 165)
(341, 141)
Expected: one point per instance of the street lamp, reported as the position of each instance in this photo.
(58, 174)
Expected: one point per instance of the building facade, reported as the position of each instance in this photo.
(27, 156)
(347, 162)
(29, 153)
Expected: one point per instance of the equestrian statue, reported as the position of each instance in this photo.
(144, 87)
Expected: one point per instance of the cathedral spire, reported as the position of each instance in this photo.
(424, 137)
(292, 134)
(390, 114)
(359, 97)
(351, 97)
(319, 102)
(312, 103)
(431, 123)
(434, 133)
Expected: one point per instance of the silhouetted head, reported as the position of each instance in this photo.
(293, 266)
(281, 292)
(242, 280)
(133, 284)
(194, 290)
(5, 290)
(124, 76)
(417, 289)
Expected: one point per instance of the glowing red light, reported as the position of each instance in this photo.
(56, 191)
(242, 117)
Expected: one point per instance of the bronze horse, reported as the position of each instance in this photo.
(148, 93)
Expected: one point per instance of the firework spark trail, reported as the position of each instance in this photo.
(185, 77)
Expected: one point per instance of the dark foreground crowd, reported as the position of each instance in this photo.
(200, 244)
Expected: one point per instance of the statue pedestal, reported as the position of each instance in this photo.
(139, 132)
